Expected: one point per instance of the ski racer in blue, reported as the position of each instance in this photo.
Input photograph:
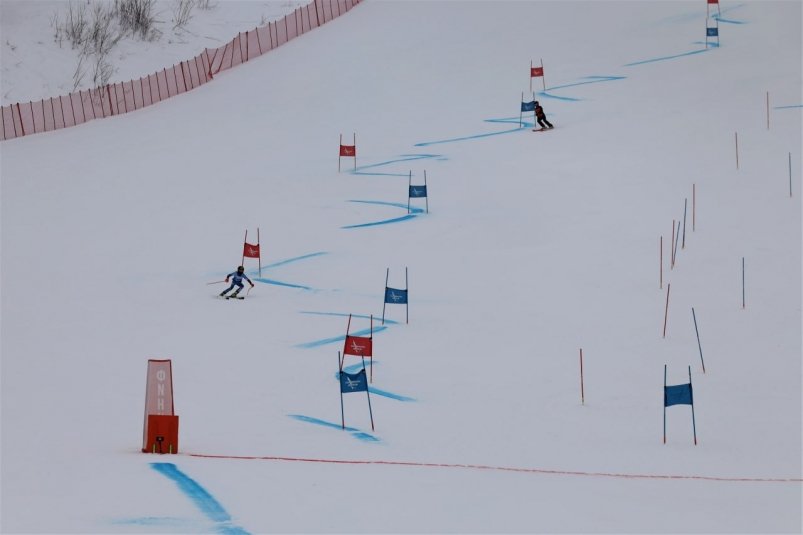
(236, 280)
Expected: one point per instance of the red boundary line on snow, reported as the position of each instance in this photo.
(500, 468)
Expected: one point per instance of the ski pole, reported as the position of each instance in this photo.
(215, 282)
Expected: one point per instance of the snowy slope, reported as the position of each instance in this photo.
(535, 245)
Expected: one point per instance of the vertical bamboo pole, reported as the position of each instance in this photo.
(674, 245)
(582, 390)
(685, 205)
(521, 112)
(384, 296)
(426, 198)
(664, 403)
(543, 75)
(671, 247)
(340, 389)
(790, 174)
(743, 298)
(696, 330)
(245, 240)
(409, 184)
(693, 423)
(368, 395)
(661, 263)
(407, 304)
(666, 309)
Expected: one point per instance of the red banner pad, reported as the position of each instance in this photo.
(162, 434)
(359, 346)
(348, 150)
(536, 71)
(158, 395)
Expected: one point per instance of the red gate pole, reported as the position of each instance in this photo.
(19, 114)
(245, 240)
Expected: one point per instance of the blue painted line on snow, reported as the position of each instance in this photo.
(383, 222)
(281, 263)
(728, 21)
(385, 393)
(280, 283)
(667, 57)
(404, 158)
(413, 209)
(326, 341)
(467, 138)
(176, 525)
(589, 80)
(208, 505)
(558, 97)
(356, 433)
(345, 315)
(788, 107)
(354, 368)
(415, 212)
(296, 259)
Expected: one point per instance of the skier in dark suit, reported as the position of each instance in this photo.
(541, 116)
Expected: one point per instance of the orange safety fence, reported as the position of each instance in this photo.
(22, 119)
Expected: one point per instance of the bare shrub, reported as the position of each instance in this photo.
(76, 24)
(78, 75)
(58, 31)
(205, 4)
(182, 12)
(101, 33)
(137, 16)
(102, 72)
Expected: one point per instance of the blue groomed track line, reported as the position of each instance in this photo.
(202, 499)
(414, 212)
(274, 282)
(356, 433)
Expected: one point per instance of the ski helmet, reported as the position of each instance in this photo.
(240, 268)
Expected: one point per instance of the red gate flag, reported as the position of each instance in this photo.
(713, 1)
(250, 250)
(360, 346)
(349, 151)
(537, 72)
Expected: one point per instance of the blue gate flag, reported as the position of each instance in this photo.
(418, 191)
(712, 32)
(395, 296)
(353, 382)
(678, 395)
(528, 106)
